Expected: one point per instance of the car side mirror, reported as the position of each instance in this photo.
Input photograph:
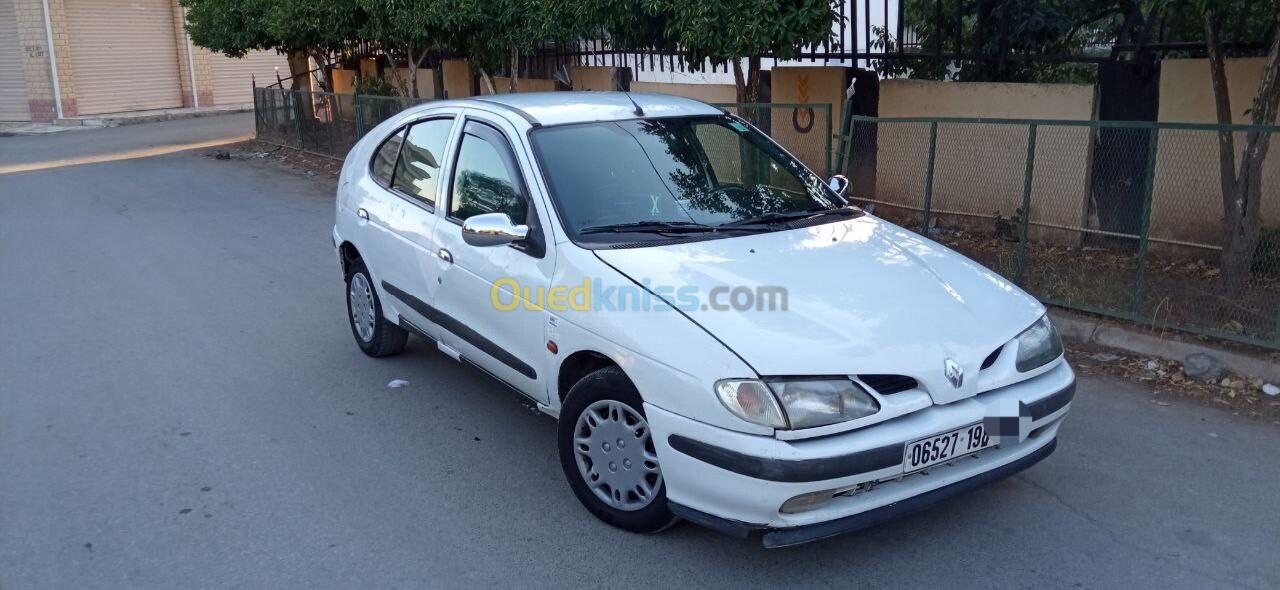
(838, 183)
(492, 229)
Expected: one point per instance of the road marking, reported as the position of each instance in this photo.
(125, 155)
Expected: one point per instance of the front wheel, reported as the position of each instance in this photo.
(376, 336)
(608, 456)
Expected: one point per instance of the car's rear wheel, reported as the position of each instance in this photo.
(608, 456)
(375, 335)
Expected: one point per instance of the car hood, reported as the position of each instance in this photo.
(863, 296)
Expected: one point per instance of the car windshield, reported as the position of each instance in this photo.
(674, 176)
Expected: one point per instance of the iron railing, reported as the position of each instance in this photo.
(1117, 218)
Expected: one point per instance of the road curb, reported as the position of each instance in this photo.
(1168, 346)
(127, 119)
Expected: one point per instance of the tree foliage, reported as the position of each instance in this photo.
(319, 29)
(1016, 40)
(719, 31)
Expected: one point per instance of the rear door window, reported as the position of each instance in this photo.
(417, 173)
(384, 162)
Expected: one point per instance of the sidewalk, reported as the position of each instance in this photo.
(118, 119)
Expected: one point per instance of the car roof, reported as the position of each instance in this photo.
(562, 108)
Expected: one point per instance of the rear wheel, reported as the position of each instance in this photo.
(608, 455)
(375, 335)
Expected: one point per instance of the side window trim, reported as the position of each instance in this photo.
(508, 154)
(534, 245)
(391, 188)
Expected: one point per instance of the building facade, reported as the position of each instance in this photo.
(74, 58)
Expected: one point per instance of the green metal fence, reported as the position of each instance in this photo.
(1117, 218)
(329, 124)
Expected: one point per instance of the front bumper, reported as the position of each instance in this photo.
(737, 483)
(785, 537)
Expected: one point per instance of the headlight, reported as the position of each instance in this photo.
(819, 402)
(796, 403)
(1038, 345)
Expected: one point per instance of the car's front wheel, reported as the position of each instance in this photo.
(607, 453)
(376, 336)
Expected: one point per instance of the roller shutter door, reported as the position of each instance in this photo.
(13, 85)
(124, 55)
(232, 77)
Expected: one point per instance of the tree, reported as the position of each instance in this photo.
(1242, 187)
(234, 27)
(323, 29)
(1004, 38)
(409, 27)
(494, 34)
(729, 30)
(301, 29)
(719, 31)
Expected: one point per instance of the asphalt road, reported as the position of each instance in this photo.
(182, 405)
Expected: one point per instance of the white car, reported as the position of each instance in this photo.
(721, 336)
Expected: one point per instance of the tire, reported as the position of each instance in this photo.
(378, 337)
(603, 390)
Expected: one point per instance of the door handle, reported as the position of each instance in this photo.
(362, 214)
(445, 255)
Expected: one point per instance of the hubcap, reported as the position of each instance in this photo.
(615, 455)
(360, 297)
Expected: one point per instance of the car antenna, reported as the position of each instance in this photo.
(639, 112)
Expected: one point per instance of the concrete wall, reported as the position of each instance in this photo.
(344, 81)
(708, 93)
(426, 81)
(926, 98)
(601, 78)
(458, 81)
(805, 132)
(980, 168)
(1186, 202)
(502, 84)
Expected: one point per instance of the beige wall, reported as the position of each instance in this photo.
(804, 132)
(426, 81)
(708, 93)
(980, 168)
(457, 78)
(344, 81)
(926, 98)
(1186, 202)
(503, 83)
(593, 78)
(1186, 96)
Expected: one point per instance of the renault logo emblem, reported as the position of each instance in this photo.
(954, 373)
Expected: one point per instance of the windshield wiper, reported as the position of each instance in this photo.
(683, 227)
(773, 217)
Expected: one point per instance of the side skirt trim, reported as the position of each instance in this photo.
(462, 330)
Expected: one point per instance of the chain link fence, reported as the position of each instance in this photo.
(1121, 219)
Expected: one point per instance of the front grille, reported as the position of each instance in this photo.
(888, 384)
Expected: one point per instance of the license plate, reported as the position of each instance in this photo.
(944, 447)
